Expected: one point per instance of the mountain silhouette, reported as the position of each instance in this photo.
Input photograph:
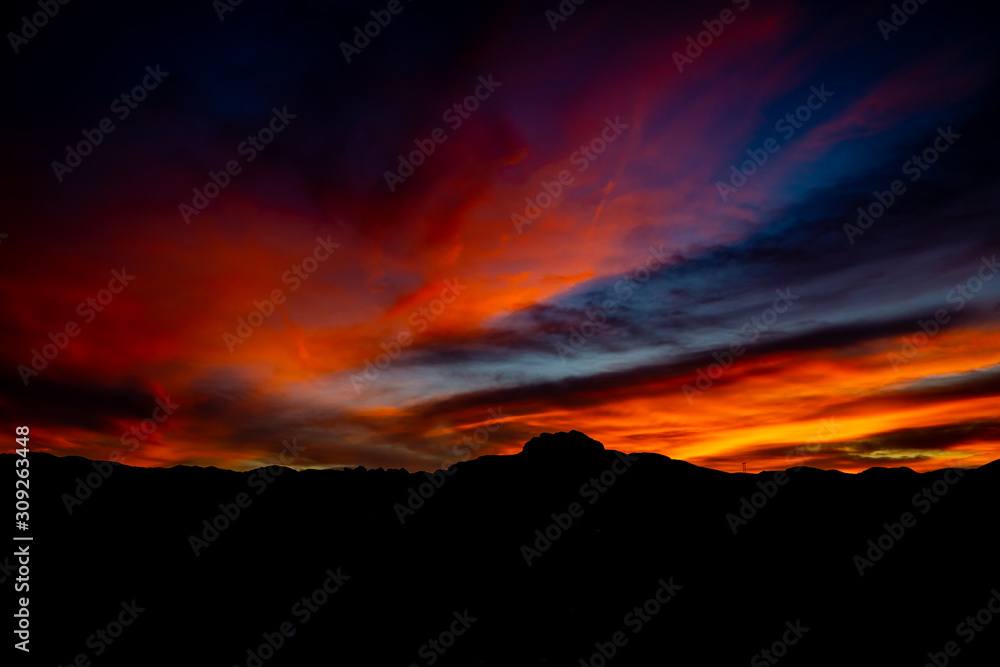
(563, 554)
(562, 445)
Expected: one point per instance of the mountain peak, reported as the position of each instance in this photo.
(562, 445)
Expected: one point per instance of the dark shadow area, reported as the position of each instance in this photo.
(643, 546)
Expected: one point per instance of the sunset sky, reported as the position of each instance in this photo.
(599, 306)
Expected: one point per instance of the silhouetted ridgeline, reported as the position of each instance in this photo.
(561, 555)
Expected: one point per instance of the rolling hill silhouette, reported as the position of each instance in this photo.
(563, 554)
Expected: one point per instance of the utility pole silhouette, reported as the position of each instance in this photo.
(744, 466)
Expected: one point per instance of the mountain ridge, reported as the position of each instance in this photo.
(537, 448)
(550, 553)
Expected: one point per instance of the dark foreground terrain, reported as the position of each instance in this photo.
(639, 560)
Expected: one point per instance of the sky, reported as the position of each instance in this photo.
(759, 232)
